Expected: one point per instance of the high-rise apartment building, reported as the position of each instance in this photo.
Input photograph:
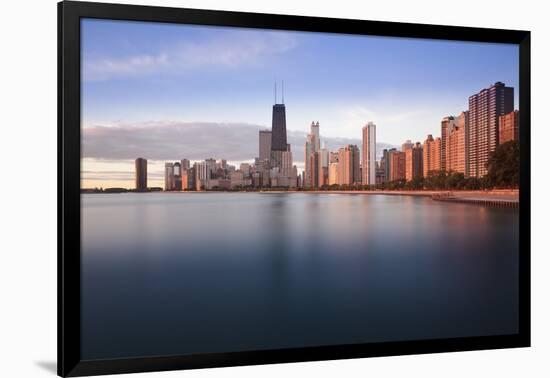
(177, 176)
(484, 109)
(191, 178)
(431, 155)
(141, 175)
(333, 173)
(323, 166)
(447, 123)
(286, 164)
(264, 152)
(413, 161)
(185, 179)
(169, 181)
(385, 162)
(185, 164)
(380, 172)
(508, 127)
(368, 160)
(457, 145)
(348, 165)
(313, 166)
(397, 164)
(407, 145)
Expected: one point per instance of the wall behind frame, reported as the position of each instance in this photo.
(28, 187)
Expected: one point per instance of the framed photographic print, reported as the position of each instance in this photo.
(240, 188)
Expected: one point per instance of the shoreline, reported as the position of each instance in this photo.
(508, 198)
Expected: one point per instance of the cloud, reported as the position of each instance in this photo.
(232, 49)
(192, 140)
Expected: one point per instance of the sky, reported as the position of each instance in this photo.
(166, 92)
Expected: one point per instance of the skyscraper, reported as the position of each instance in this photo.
(278, 135)
(313, 166)
(484, 109)
(141, 175)
(333, 168)
(323, 166)
(286, 164)
(191, 178)
(348, 165)
(314, 130)
(264, 152)
(407, 145)
(177, 176)
(185, 164)
(308, 151)
(385, 163)
(368, 162)
(185, 179)
(457, 146)
(413, 162)
(312, 146)
(169, 176)
(333, 173)
(447, 123)
(278, 128)
(508, 127)
(431, 159)
(397, 164)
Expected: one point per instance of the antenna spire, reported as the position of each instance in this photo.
(283, 91)
(275, 92)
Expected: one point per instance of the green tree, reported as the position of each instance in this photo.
(503, 166)
(455, 180)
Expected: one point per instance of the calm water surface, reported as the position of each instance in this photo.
(187, 273)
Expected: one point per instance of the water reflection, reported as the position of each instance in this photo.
(217, 272)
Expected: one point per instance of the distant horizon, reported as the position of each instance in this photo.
(168, 91)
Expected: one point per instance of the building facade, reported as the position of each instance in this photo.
(397, 163)
(457, 145)
(447, 124)
(141, 174)
(484, 110)
(508, 127)
(431, 155)
(169, 176)
(348, 165)
(413, 162)
(312, 146)
(407, 145)
(264, 152)
(368, 160)
(278, 128)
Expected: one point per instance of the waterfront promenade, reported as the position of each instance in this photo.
(493, 198)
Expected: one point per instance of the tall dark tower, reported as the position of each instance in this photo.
(278, 124)
(141, 175)
(278, 128)
(278, 133)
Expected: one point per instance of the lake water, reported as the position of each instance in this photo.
(180, 273)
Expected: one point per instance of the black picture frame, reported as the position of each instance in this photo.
(69, 15)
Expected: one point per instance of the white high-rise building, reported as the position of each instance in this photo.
(368, 155)
(313, 145)
(315, 132)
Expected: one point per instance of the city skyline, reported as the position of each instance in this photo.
(464, 142)
(175, 89)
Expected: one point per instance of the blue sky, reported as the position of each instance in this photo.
(152, 75)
